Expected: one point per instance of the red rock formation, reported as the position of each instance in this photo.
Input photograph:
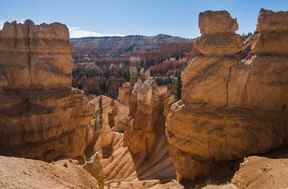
(40, 116)
(229, 109)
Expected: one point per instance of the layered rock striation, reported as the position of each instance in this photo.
(218, 34)
(145, 135)
(230, 108)
(271, 33)
(41, 117)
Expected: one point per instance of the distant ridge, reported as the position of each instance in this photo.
(115, 46)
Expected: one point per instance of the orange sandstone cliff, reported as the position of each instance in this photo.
(41, 117)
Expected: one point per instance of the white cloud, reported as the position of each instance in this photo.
(76, 32)
(1, 24)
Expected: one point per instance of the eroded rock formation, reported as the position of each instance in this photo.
(124, 93)
(40, 116)
(230, 108)
(218, 34)
(115, 158)
(141, 153)
(145, 136)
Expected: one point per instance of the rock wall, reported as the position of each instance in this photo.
(230, 108)
(40, 116)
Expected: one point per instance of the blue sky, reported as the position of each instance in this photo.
(127, 17)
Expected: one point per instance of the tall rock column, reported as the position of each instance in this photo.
(229, 108)
(206, 78)
(40, 116)
(124, 93)
(145, 135)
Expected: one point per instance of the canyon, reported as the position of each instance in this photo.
(103, 64)
(218, 122)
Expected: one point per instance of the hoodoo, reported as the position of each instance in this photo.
(145, 135)
(229, 108)
(41, 117)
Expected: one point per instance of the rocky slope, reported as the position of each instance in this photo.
(230, 109)
(40, 116)
(33, 174)
(262, 172)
